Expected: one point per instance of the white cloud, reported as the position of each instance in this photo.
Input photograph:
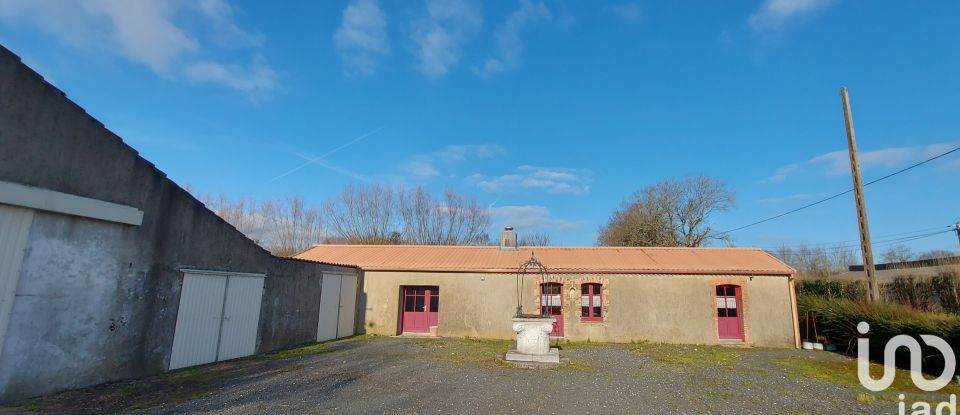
(361, 38)
(775, 14)
(548, 179)
(421, 166)
(438, 37)
(787, 198)
(630, 12)
(228, 34)
(463, 152)
(509, 44)
(150, 33)
(425, 165)
(530, 218)
(256, 80)
(837, 163)
(782, 173)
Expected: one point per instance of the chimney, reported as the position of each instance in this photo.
(508, 239)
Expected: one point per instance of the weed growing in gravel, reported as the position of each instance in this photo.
(298, 351)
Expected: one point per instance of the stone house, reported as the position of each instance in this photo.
(606, 294)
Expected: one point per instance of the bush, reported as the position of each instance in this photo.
(911, 291)
(947, 285)
(837, 320)
(851, 290)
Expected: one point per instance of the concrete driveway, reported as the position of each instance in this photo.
(420, 375)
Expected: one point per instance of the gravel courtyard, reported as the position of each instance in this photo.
(421, 375)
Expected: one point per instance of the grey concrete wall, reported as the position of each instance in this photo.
(660, 308)
(98, 301)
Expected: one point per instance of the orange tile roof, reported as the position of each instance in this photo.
(746, 261)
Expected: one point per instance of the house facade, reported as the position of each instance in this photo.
(604, 294)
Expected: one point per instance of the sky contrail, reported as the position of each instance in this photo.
(325, 155)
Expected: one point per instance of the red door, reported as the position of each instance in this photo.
(551, 304)
(420, 309)
(729, 313)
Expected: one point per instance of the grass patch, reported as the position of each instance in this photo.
(843, 372)
(576, 364)
(718, 356)
(312, 349)
(465, 350)
(866, 398)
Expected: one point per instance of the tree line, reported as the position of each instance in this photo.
(371, 214)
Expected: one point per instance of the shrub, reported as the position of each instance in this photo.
(837, 320)
(946, 286)
(851, 290)
(911, 291)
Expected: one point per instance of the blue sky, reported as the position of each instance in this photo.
(551, 111)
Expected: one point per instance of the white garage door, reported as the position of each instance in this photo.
(198, 320)
(329, 307)
(348, 305)
(241, 316)
(218, 317)
(14, 227)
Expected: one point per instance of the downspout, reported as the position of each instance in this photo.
(793, 310)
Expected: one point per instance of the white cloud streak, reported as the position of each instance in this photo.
(438, 37)
(509, 44)
(421, 167)
(836, 163)
(361, 40)
(315, 160)
(776, 14)
(530, 218)
(425, 165)
(549, 179)
(256, 80)
(149, 32)
(465, 151)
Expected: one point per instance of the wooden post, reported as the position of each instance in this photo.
(873, 290)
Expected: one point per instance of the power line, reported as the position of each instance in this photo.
(809, 205)
(852, 242)
(877, 244)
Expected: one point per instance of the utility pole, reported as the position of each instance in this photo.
(957, 227)
(873, 290)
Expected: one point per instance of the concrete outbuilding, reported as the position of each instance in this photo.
(109, 270)
(607, 294)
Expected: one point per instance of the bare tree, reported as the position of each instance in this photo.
(842, 257)
(535, 239)
(897, 253)
(455, 220)
(669, 213)
(283, 227)
(936, 254)
(816, 261)
(362, 214)
(297, 226)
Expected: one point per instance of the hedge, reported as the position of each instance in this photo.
(837, 320)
